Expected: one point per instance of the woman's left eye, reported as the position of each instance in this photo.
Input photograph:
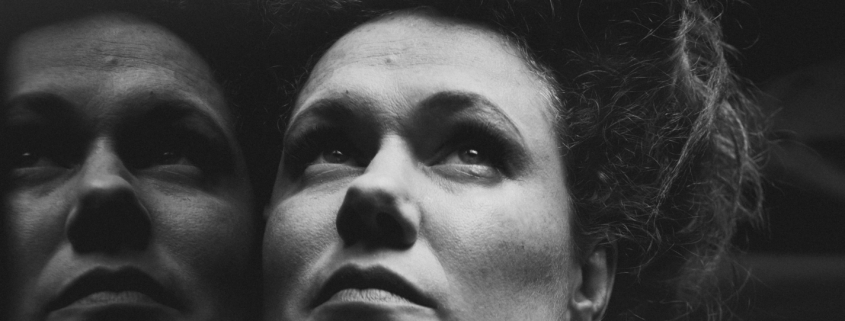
(170, 157)
(469, 156)
(154, 157)
(333, 156)
(470, 163)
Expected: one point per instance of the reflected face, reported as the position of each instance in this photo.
(421, 179)
(128, 197)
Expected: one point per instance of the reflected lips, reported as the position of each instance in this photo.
(376, 284)
(101, 286)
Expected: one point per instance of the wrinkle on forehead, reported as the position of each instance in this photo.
(411, 40)
(121, 52)
(112, 42)
(396, 47)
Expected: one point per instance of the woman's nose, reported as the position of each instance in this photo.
(107, 215)
(378, 209)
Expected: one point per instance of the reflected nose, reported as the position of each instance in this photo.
(378, 209)
(107, 216)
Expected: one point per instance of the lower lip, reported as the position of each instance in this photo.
(371, 304)
(114, 298)
(368, 295)
(114, 305)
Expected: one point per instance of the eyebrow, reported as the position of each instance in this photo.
(166, 110)
(446, 103)
(53, 108)
(50, 107)
(166, 114)
(334, 109)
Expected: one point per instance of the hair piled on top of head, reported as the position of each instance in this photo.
(658, 135)
(662, 157)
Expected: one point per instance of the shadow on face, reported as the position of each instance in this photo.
(127, 194)
(421, 179)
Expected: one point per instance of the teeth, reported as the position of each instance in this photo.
(115, 297)
(368, 295)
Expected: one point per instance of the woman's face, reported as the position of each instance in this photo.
(421, 179)
(127, 197)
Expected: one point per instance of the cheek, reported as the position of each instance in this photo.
(300, 228)
(505, 246)
(33, 229)
(211, 233)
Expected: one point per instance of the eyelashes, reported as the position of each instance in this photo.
(466, 144)
(31, 151)
(175, 146)
(32, 146)
(320, 143)
(477, 143)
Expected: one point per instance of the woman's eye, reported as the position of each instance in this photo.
(321, 151)
(31, 159)
(334, 156)
(160, 157)
(471, 163)
(469, 156)
(171, 158)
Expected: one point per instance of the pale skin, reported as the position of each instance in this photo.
(424, 146)
(124, 173)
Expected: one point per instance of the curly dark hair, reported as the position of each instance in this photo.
(659, 137)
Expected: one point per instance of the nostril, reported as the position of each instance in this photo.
(378, 211)
(389, 230)
(109, 220)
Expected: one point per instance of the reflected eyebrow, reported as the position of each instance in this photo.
(48, 107)
(176, 113)
(177, 123)
(446, 103)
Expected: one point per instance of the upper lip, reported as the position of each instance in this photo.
(109, 280)
(350, 277)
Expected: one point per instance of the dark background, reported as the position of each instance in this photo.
(794, 51)
(775, 37)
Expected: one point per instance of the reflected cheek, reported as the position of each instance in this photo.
(34, 230)
(209, 235)
(205, 229)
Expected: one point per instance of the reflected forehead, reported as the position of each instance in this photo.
(106, 42)
(110, 55)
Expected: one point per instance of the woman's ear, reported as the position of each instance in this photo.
(594, 283)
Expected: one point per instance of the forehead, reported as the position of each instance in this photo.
(418, 53)
(107, 54)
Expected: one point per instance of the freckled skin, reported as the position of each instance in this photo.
(201, 229)
(499, 250)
